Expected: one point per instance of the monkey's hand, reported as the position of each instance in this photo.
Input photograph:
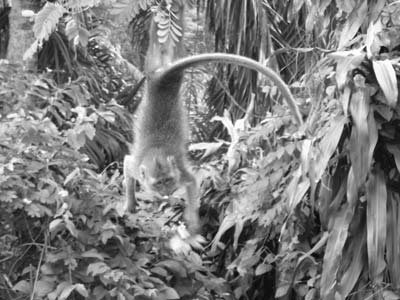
(183, 242)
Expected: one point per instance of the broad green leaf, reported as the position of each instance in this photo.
(355, 255)
(54, 224)
(393, 239)
(174, 267)
(262, 269)
(376, 224)
(372, 46)
(97, 268)
(43, 287)
(66, 291)
(168, 293)
(94, 253)
(338, 233)
(60, 288)
(363, 139)
(22, 286)
(81, 289)
(228, 222)
(282, 290)
(390, 295)
(159, 271)
(328, 145)
(386, 76)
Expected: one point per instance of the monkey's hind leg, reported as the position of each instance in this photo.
(130, 184)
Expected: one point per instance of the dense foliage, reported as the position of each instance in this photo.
(287, 212)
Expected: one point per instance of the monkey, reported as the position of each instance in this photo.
(158, 158)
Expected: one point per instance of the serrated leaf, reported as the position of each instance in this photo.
(386, 76)
(376, 224)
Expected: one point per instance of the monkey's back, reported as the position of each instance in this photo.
(161, 118)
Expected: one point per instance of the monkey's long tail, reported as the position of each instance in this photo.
(238, 60)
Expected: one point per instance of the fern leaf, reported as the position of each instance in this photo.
(126, 10)
(46, 21)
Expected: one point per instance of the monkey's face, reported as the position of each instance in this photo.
(160, 174)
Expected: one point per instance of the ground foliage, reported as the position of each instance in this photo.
(288, 212)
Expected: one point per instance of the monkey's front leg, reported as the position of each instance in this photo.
(130, 184)
(191, 213)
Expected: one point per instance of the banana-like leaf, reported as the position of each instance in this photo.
(355, 256)
(334, 250)
(393, 239)
(353, 23)
(386, 76)
(364, 134)
(376, 225)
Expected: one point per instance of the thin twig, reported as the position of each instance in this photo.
(38, 268)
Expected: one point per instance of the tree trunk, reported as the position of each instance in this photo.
(5, 7)
(21, 34)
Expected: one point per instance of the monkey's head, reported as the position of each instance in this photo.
(159, 173)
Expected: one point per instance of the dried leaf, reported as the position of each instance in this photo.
(386, 76)
(376, 224)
